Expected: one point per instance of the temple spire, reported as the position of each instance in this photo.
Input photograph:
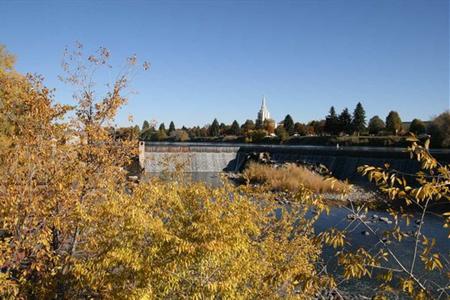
(263, 113)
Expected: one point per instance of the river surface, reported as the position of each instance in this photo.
(359, 236)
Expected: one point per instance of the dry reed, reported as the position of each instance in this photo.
(291, 177)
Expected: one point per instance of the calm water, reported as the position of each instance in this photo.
(337, 218)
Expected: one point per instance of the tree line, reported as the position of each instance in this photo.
(334, 124)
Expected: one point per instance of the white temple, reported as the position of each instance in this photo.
(263, 113)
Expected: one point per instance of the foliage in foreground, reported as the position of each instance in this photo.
(71, 226)
(427, 187)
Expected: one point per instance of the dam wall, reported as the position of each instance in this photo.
(213, 157)
(158, 157)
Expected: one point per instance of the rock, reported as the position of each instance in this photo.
(385, 220)
(133, 178)
(351, 217)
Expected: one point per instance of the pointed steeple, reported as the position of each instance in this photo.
(263, 104)
(263, 113)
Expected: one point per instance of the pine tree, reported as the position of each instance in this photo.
(171, 127)
(162, 127)
(332, 122)
(345, 121)
(359, 118)
(393, 122)
(376, 125)
(235, 129)
(214, 129)
(258, 124)
(288, 124)
(145, 125)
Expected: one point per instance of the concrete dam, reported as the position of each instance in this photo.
(221, 157)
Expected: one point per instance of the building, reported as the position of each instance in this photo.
(263, 113)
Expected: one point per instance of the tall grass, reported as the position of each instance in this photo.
(291, 177)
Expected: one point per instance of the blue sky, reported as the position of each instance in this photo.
(216, 59)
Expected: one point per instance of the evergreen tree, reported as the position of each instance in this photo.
(288, 124)
(171, 127)
(376, 125)
(393, 122)
(222, 129)
(332, 122)
(214, 129)
(258, 124)
(417, 127)
(359, 118)
(235, 129)
(248, 125)
(145, 125)
(162, 127)
(345, 121)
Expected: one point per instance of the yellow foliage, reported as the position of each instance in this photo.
(71, 226)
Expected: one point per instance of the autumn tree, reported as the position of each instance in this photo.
(318, 126)
(57, 174)
(282, 133)
(303, 129)
(420, 191)
(376, 125)
(7, 60)
(393, 122)
(73, 227)
(269, 126)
